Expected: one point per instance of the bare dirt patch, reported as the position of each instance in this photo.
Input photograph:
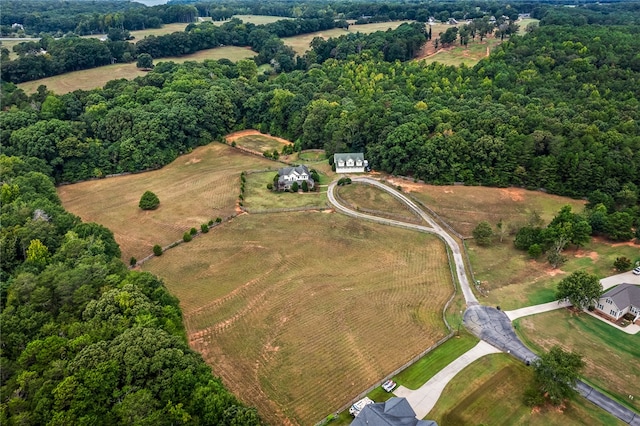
(250, 132)
(515, 194)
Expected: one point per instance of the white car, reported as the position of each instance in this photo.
(636, 271)
(358, 406)
(389, 385)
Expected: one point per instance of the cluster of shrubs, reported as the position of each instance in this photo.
(344, 181)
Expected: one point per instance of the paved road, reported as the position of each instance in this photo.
(434, 228)
(423, 399)
(489, 324)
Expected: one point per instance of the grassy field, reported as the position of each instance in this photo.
(288, 310)
(611, 355)
(374, 200)
(256, 19)
(469, 55)
(257, 197)
(523, 24)
(312, 155)
(194, 189)
(514, 280)
(97, 77)
(489, 392)
(300, 43)
(261, 143)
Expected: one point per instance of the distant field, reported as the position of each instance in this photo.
(523, 24)
(611, 355)
(261, 143)
(299, 312)
(256, 19)
(312, 155)
(469, 55)
(10, 43)
(97, 77)
(489, 392)
(194, 189)
(300, 43)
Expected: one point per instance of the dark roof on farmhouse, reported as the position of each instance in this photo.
(394, 412)
(287, 170)
(624, 295)
(346, 156)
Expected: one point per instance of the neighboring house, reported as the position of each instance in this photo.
(350, 163)
(620, 300)
(288, 175)
(393, 412)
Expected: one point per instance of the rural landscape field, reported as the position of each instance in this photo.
(298, 312)
(194, 189)
(471, 191)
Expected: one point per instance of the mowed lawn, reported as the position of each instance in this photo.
(299, 312)
(97, 77)
(261, 143)
(373, 200)
(258, 198)
(612, 356)
(489, 392)
(194, 189)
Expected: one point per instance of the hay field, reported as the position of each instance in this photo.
(97, 77)
(194, 189)
(373, 200)
(300, 43)
(256, 19)
(299, 312)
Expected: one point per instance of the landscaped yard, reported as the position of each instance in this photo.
(194, 189)
(611, 355)
(298, 312)
(490, 390)
(97, 77)
(258, 198)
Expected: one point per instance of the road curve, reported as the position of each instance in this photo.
(434, 228)
(489, 324)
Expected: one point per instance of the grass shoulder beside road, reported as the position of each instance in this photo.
(490, 390)
(611, 356)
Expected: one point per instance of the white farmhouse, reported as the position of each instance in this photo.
(350, 163)
(620, 300)
(288, 175)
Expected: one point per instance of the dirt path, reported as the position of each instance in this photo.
(237, 135)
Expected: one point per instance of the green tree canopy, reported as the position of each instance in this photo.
(580, 288)
(149, 201)
(483, 233)
(556, 373)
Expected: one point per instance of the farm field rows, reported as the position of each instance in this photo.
(97, 77)
(490, 390)
(611, 356)
(299, 312)
(194, 189)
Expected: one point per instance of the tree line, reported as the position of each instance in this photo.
(84, 340)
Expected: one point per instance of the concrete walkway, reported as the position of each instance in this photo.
(423, 399)
(537, 309)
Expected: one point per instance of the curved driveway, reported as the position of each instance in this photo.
(434, 228)
(489, 324)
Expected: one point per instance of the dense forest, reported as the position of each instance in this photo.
(85, 340)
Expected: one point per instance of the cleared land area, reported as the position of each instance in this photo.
(490, 390)
(611, 356)
(458, 55)
(256, 19)
(194, 189)
(97, 77)
(254, 141)
(369, 199)
(258, 198)
(300, 43)
(299, 312)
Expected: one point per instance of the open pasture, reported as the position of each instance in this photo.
(258, 142)
(490, 390)
(97, 77)
(256, 19)
(458, 55)
(611, 356)
(300, 43)
(194, 189)
(373, 200)
(299, 312)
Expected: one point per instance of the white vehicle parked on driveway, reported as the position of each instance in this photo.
(389, 385)
(358, 406)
